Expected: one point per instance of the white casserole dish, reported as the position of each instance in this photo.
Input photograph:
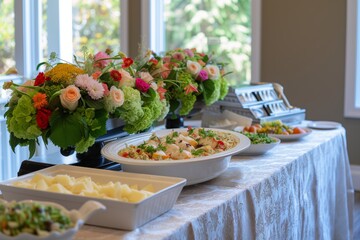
(118, 214)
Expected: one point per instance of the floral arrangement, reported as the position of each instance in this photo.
(69, 104)
(189, 76)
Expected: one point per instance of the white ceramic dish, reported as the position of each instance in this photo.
(324, 125)
(259, 149)
(77, 216)
(195, 170)
(118, 214)
(292, 137)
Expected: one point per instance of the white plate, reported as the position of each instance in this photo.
(77, 216)
(292, 137)
(259, 149)
(118, 214)
(324, 125)
(195, 170)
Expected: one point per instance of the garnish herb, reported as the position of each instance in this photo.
(197, 152)
(169, 140)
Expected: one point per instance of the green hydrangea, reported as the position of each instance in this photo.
(22, 122)
(187, 101)
(84, 144)
(224, 88)
(131, 111)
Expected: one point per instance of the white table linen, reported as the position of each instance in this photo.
(298, 190)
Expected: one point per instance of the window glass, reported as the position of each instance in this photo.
(44, 39)
(7, 35)
(219, 27)
(96, 24)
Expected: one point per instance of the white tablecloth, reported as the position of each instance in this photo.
(299, 190)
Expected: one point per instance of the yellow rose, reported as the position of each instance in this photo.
(69, 97)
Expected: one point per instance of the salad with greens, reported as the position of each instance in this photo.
(259, 138)
(33, 218)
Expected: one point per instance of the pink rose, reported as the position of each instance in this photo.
(100, 60)
(212, 71)
(114, 99)
(193, 67)
(202, 75)
(141, 85)
(189, 52)
(106, 89)
(178, 56)
(69, 97)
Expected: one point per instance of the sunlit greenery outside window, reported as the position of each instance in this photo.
(96, 24)
(7, 35)
(219, 27)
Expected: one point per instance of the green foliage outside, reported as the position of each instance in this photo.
(222, 27)
(96, 24)
(7, 35)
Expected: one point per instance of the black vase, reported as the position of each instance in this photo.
(92, 157)
(174, 122)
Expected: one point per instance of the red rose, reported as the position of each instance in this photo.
(40, 79)
(42, 118)
(153, 61)
(116, 75)
(127, 62)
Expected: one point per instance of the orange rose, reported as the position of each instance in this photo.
(69, 97)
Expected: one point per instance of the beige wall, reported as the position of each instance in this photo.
(303, 48)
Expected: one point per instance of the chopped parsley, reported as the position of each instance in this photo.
(197, 152)
(169, 140)
(190, 131)
(161, 148)
(175, 134)
(206, 133)
(147, 148)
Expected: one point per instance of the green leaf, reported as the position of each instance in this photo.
(100, 129)
(14, 141)
(67, 130)
(150, 95)
(32, 148)
(174, 104)
(97, 104)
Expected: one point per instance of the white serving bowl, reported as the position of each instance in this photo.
(195, 170)
(77, 216)
(260, 148)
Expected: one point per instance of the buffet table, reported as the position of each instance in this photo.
(298, 190)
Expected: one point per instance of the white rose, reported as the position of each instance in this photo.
(146, 77)
(114, 99)
(193, 67)
(69, 97)
(212, 71)
(126, 79)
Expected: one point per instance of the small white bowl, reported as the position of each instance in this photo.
(77, 216)
(260, 149)
(195, 170)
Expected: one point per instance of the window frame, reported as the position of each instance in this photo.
(352, 72)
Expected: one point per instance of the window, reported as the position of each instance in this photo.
(352, 67)
(228, 29)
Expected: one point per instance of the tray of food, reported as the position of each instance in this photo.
(279, 130)
(197, 154)
(131, 199)
(35, 220)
